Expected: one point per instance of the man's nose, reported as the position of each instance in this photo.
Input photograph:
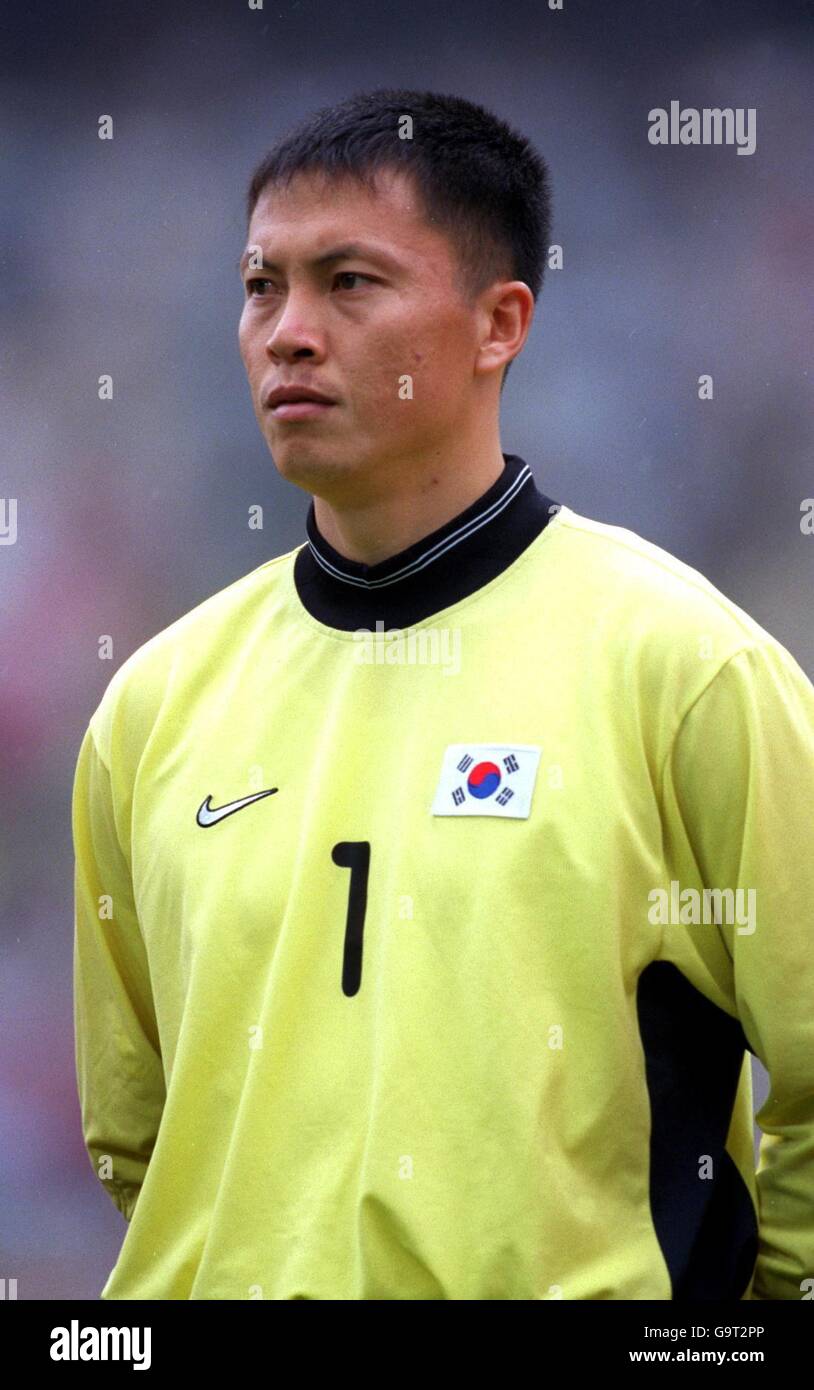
(298, 329)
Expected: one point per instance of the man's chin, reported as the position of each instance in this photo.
(310, 464)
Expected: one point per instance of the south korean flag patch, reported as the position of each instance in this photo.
(487, 779)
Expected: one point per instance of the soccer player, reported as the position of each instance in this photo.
(435, 880)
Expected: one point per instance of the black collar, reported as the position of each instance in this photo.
(439, 570)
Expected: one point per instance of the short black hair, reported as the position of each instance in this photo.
(480, 182)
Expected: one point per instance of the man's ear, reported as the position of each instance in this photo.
(508, 310)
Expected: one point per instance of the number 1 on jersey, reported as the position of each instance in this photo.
(353, 855)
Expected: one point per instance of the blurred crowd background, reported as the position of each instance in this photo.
(119, 257)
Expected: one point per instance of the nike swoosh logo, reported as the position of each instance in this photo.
(210, 815)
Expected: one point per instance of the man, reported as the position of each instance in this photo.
(436, 879)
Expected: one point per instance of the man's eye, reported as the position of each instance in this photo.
(350, 275)
(253, 292)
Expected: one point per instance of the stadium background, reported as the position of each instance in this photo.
(118, 257)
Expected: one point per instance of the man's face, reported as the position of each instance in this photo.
(354, 328)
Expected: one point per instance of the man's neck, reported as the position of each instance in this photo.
(374, 529)
(438, 570)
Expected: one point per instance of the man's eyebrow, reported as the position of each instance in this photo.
(348, 251)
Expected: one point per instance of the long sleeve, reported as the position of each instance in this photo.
(118, 1061)
(739, 786)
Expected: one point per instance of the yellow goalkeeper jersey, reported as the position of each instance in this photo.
(426, 915)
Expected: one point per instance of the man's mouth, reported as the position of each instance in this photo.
(301, 410)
